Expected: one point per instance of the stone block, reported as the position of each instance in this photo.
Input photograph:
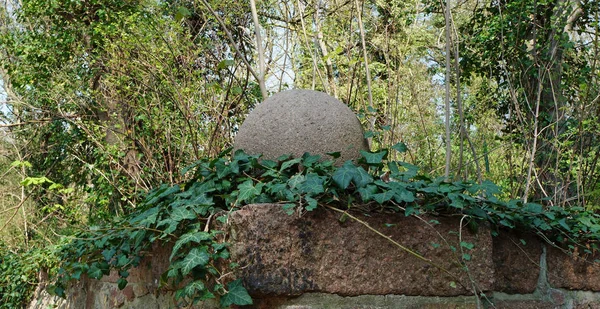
(573, 272)
(516, 264)
(524, 304)
(332, 301)
(290, 255)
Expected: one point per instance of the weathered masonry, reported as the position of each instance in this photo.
(317, 261)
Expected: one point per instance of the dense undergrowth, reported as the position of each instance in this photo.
(182, 214)
(19, 273)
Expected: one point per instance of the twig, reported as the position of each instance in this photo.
(231, 40)
(366, 60)
(259, 50)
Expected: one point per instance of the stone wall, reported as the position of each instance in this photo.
(319, 261)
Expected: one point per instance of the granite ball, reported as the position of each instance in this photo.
(293, 122)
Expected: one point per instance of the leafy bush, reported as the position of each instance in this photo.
(19, 274)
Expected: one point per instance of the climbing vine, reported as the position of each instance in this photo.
(184, 215)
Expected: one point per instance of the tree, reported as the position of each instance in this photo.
(542, 57)
(115, 97)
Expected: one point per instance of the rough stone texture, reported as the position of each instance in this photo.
(97, 294)
(142, 290)
(42, 299)
(299, 121)
(583, 299)
(287, 255)
(517, 265)
(573, 272)
(330, 264)
(524, 304)
(332, 301)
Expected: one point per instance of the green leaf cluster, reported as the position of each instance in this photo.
(19, 273)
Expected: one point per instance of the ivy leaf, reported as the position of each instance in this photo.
(401, 193)
(193, 288)
(467, 245)
(196, 237)
(196, 257)
(563, 223)
(174, 269)
(400, 147)
(296, 181)
(308, 160)
(248, 191)
(237, 295)
(289, 208)
(122, 283)
(182, 213)
(200, 199)
(361, 178)
(411, 171)
(335, 154)
(122, 260)
(533, 208)
(161, 193)
(344, 174)
(108, 254)
(222, 169)
(404, 196)
(374, 158)
(287, 164)
(456, 200)
(411, 210)
(313, 184)
(366, 193)
(312, 203)
(394, 170)
(95, 272)
(268, 164)
(147, 217)
(383, 197)
(478, 212)
(490, 188)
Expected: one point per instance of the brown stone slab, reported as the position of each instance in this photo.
(574, 272)
(517, 262)
(290, 255)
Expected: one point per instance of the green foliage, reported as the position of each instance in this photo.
(19, 273)
(179, 214)
(237, 295)
(115, 97)
(536, 56)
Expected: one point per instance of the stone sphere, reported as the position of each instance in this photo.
(298, 121)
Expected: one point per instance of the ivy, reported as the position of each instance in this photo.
(179, 214)
(19, 274)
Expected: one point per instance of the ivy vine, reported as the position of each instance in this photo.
(182, 214)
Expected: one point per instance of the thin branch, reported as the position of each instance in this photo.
(314, 59)
(447, 96)
(259, 49)
(366, 60)
(231, 40)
